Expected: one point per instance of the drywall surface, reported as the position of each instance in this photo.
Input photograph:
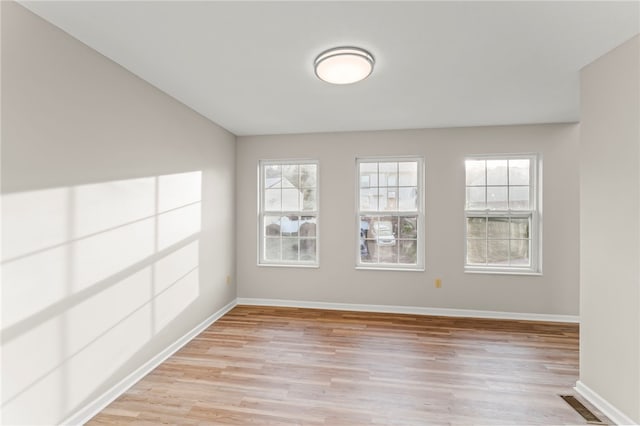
(610, 228)
(117, 221)
(444, 151)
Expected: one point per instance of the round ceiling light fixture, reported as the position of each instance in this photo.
(344, 65)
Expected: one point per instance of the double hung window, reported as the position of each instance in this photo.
(288, 213)
(390, 213)
(501, 213)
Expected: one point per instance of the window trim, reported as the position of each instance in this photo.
(421, 235)
(535, 212)
(261, 213)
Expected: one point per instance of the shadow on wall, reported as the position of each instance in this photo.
(91, 273)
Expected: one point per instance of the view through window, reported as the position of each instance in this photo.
(501, 215)
(289, 212)
(390, 213)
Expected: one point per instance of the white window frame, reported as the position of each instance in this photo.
(261, 213)
(534, 213)
(420, 250)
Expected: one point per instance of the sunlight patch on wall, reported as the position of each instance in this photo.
(178, 190)
(33, 221)
(103, 255)
(176, 225)
(90, 274)
(103, 206)
(41, 349)
(172, 268)
(175, 299)
(30, 284)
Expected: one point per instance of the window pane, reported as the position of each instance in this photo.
(498, 227)
(387, 253)
(365, 256)
(308, 199)
(408, 252)
(290, 199)
(498, 252)
(272, 226)
(476, 227)
(384, 232)
(289, 249)
(409, 227)
(519, 172)
(272, 248)
(496, 172)
(388, 199)
(519, 252)
(289, 226)
(308, 175)
(308, 249)
(475, 172)
(519, 228)
(475, 198)
(369, 199)
(477, 252)
(308, 226)
(365, 238)
(497, 198)
(272, 176)
(519, 197)
(408, 199)
(365, 225)
(388, 174)
(290, 176)
(272, 200)
(408, 173)
(370, 171)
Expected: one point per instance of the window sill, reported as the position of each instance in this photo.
(503, 272)
(381, 268)
(289, 265)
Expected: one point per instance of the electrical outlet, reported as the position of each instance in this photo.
(438, 283)
(228, 279)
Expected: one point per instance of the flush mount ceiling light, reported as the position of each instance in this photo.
(343, 65)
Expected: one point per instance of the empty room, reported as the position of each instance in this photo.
(320, 213)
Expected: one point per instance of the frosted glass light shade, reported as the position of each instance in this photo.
(344, 65)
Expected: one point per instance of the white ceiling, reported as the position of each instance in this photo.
(248, 65)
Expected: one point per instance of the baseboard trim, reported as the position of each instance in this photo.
(86, 413)
(615, 415)
(416, 310)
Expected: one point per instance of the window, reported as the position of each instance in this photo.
(502, 219)
(390, 219)
(288, 213)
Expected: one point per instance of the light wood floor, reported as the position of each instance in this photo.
(285, 366)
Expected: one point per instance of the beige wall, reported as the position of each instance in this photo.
(336, 280)
(610, 228)
(118, 224)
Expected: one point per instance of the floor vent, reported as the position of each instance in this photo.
(582, 410)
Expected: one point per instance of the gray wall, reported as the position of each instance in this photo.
(610, 228)
(336, 280)
(118, 221)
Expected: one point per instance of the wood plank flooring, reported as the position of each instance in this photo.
(288, 366)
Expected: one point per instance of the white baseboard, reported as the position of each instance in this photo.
(85, 414)
(416, 310)
(615, 415)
